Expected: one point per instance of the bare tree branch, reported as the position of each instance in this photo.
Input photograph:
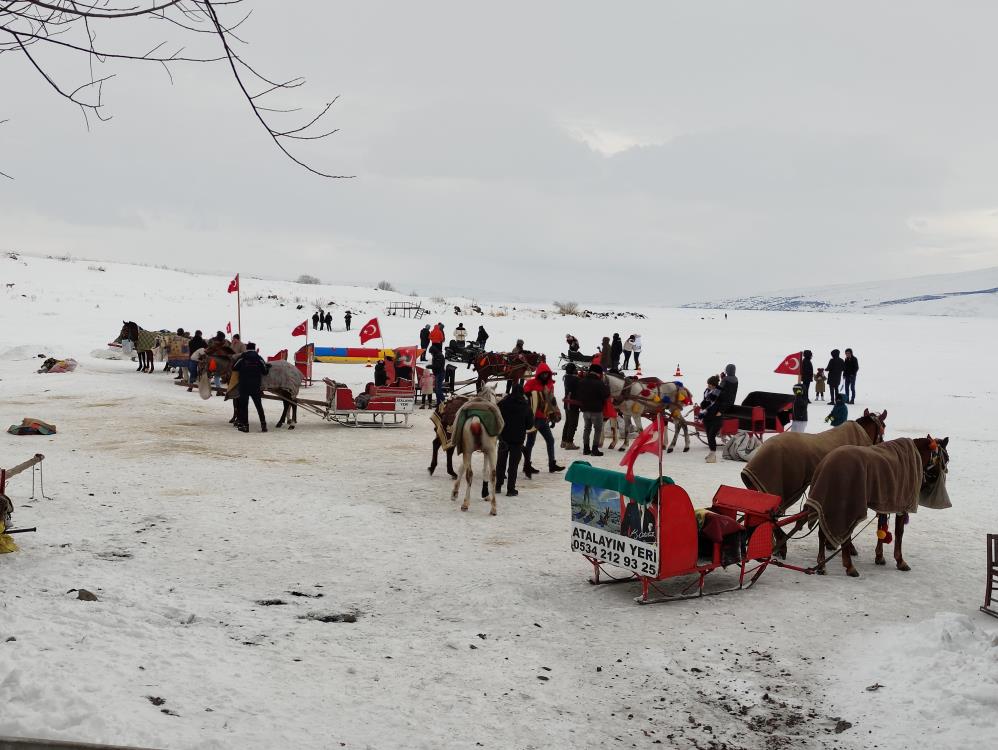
(37, 30)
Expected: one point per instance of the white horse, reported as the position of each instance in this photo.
(473, 437)
(635, 398)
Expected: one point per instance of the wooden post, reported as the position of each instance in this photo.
(239, 307)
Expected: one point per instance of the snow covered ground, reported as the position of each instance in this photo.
(968, 293)
(470, 630)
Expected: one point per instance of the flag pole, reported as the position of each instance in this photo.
(239, 308)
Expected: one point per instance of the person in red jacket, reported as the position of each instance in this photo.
(540, 390)
(437, 334)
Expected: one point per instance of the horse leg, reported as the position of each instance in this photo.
(489, 451)
(457, 487)
(820, 567)
(686, 434)
(284, 416)
(847, 552)
(469, 474)
(436, 450)
(675, 434)
(898, 534)
(294, 415)
(879, 559)
(450, 463)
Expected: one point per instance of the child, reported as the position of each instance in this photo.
(799, 423)
(819, 384)
(426, 383)
(839, 413)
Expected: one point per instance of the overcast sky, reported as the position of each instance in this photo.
(646, 151)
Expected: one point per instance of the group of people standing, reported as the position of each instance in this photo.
(838, 372)
(323, 321)
(611, 350)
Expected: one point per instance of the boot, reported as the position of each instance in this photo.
(511, 492)
(711, 458)
(597, 452)
(242, 428)
(553, 467)
(263, 427)
(570, 446)
(528, 470)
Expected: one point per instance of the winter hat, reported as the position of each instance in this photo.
(597, 369)
(835, 352)
(729, 370)
(570, 368)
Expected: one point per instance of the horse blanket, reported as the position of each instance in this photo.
(488, 414)
(147, 340)
(884, 478)
(785, 463)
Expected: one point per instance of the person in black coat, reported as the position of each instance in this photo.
(380, 374)
(483, 336)
(517, 419)
(329, 321)
(571, 380)
(592, 393)
(807, 373)
(424, 341)
(438, 364)
(850, 366)
(315, 321)
(347, 318)
(616, 349)
(251, 369)
(834, 373)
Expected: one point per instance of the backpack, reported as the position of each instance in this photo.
(741, 446)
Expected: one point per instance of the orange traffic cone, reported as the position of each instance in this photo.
(679, 373)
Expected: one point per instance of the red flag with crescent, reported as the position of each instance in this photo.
(790, 364)
(371, 330)
(301, 329)
(234, 285)
(649, 441)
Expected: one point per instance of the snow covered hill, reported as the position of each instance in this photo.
(966, 294)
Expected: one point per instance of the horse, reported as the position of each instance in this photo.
(893, 477)
(282, 379)
(647, 397)
(785, 464)
(443, 425)
(145, 343)
(472, 436)
(505, 366)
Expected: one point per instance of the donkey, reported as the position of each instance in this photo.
(894, 477)
(471, 436)
(283, 379)
(145, 343)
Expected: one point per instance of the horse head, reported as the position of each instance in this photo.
(129, 330)
(934, 455)
(874, 424)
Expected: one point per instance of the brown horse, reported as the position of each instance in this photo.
(505, 366)
(837, 516)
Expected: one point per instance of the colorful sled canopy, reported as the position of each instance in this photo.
(358, 355)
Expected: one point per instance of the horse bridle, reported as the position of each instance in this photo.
(879, 424)
(938, 462)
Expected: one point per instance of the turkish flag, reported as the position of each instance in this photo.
(371, 330)
(301, 329)
(790, 364)
(228, 327)
(234, 285)
(649, 441)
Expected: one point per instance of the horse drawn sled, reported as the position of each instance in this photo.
(761, 413)
(466, 352)
(650, 529)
